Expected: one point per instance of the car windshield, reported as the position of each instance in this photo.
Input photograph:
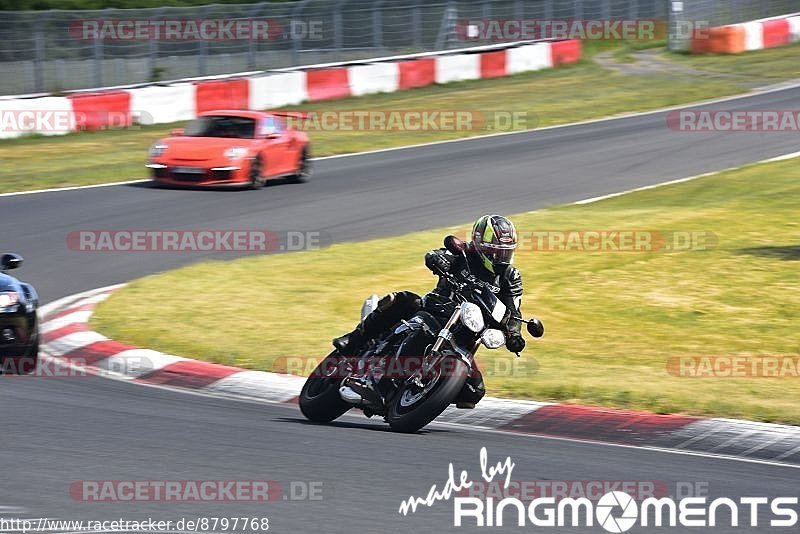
(220, 126)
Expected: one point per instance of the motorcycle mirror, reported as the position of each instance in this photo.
(10, 261)
(535, 327)
(454, 244)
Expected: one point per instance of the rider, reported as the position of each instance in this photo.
(488, 262)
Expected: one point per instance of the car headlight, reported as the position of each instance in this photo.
(158, 149)
(493, 338)
(8, 299)
(472, 317)
(236, 152)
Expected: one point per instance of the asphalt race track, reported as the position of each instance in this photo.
(59, 431)
(98, 429)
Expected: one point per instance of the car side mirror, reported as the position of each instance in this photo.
(454, 245)
(176, 132)
(10, 261)
(535, 327)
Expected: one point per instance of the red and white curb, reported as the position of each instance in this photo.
(66, 338)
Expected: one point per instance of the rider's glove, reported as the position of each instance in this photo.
(438, 262)
(515, 343)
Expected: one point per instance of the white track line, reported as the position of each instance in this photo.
(71, 188)
(764, 91)
(591, 200)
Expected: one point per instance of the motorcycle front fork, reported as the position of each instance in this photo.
(446, 335)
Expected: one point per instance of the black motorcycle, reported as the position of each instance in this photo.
(19, 326)
(418, 367)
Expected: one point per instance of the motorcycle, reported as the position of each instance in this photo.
(419, 366)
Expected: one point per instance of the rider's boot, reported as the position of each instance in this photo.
(472, 392)
(391, 308)
(371, 325)
(350, 342)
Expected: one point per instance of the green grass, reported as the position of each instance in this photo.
(583, 91)
(770, 65)
(613, 319)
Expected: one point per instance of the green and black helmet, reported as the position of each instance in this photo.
(495, 239)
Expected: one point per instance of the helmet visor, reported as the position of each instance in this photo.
(498, 254)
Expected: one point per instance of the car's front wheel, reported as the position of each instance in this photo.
(304, 168)
(256, 181)
(21, 365)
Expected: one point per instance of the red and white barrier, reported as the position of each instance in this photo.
(417, 73)
(328, 84)
(374, 78)
(278, 90)
(98, 111)
(184, 100)
(753, 35)
(747, 36)
(458, 67)
(794, 29)
(775, 33)
(565, 52)
(494, 64)
(49, 115)
(222, 94)
(157, 104)
(529, 58)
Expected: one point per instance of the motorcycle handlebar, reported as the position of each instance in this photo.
(458, 286)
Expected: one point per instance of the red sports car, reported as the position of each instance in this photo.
(237, 148)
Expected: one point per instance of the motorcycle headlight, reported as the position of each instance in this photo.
(493, 339)
(8, 299)
(157, 149)
(472, 317)
(236, 152)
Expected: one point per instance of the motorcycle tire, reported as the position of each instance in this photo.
(409, 418)
(319, 399)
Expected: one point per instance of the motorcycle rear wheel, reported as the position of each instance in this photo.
(319, 399)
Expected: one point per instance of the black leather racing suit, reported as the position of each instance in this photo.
(507, 285)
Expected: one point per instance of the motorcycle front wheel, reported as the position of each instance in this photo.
(319, 399)
(415, 405)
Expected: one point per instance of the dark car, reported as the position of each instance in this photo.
(19, 326)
